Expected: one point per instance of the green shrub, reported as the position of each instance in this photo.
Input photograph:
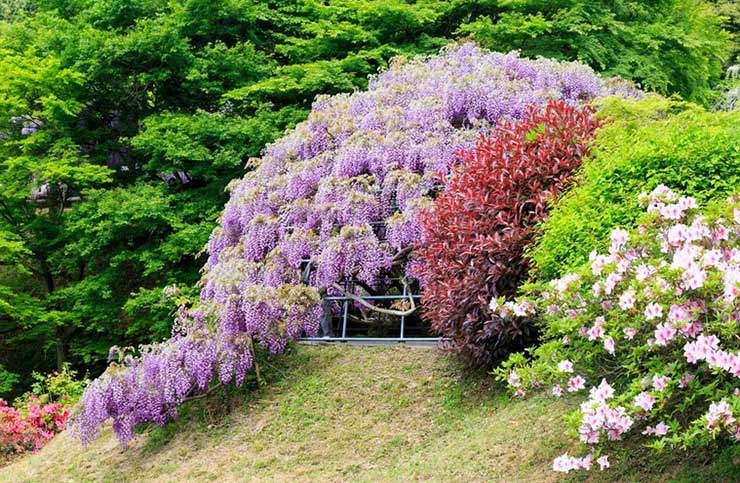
(56, 387)
(645, 143)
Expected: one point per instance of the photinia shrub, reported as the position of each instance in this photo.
(650, 328)
(476, 230)
(339, 193)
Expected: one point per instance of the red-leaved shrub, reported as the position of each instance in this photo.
(477, 229)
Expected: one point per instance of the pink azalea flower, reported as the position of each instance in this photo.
(557, 391)
(627, 300)
(565, 366)
(719, 413)
(660, 429)
(514, 380)
(660, 382)
(644, 401)
(629, 333)
(619, 239)
(603, 462)
(653, 311)
(602, 392)
(609, 345)
(576, 384)
(664, 333)
(678, 313)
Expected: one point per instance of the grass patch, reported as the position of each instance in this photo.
(342, 413)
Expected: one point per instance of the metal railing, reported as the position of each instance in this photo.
(346, 301)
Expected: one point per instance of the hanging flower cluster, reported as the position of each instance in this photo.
(652, 328)
(336, 198)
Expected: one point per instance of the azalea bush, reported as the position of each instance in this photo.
(647, 331)
(477, 228)
(336, 199)
(29, 427)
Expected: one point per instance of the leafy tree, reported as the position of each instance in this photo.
(666, 45)
(122, 121)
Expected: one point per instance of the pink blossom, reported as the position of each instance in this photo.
(698, 229)
(598, 262)
(687, 203)
(662, 284)
(685, 257)
(566, 464)
(660, 429)
(671, 212)
(565, 366)
(653, 311)
(562, 284)
(630, 333)
(644, 401)
(609, 345)
(598, 417)
(603, 462)
(514, 380)
(623, 265)
(711, 258)
(677, 234)
(694, 277)
(557, 391)
(678, 313)
(602, 392)
(627, 300)
(720, 233)
(576, 384)
(619, 238)
(664, 333)
(493, 305)
(642, 272)
(611, 281)
(701, 348)
(660, 382)
(719, 413)
(597, 331)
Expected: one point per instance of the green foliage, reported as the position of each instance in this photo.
(7, 380)
(668, 46)
(102, 99)
(643, 144)
(59, 386)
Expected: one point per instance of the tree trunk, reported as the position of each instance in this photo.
(61, 352)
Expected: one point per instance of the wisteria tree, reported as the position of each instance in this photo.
(334, 200)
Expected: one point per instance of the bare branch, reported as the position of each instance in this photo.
(380, 310)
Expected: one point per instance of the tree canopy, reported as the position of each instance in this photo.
(122, 121)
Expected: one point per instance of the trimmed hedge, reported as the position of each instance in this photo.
(643, 144)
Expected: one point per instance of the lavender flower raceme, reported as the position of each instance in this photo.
(342, 190)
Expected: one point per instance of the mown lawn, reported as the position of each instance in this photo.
(333, 413)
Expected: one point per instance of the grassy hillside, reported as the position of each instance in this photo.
(354, 414)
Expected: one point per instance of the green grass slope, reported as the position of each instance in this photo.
(332, 413)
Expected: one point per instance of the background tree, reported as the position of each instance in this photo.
(122, 121)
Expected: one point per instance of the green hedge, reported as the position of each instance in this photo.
(644, 143)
